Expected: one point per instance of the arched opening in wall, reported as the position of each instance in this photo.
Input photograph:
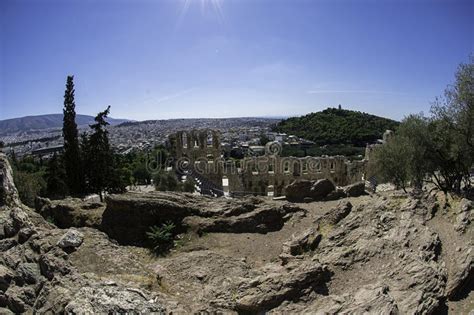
(318, 166)
(332, 166)
(296, 168)
(271, 169)
(196, 143)
(254, 169)
(286, 167)
(305, 167)
(210, 139)
(184, 139)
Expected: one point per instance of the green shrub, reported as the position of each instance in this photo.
(161, 237)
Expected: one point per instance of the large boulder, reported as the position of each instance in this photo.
(104, 299)
(6, 276)
(337, 213)
(299, 190)
(129, 216)
(321, 189)
(71, 239)
(261, 220)
(355, 190)
(300, 243)
(464, 215)
(463, 277)
(269, 291)
(70, 212)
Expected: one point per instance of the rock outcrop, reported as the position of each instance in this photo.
(70, 212)
(37, 275)
(128, 217)
(321, 190)
(298, 190)
(389, 254)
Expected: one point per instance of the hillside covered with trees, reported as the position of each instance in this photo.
(336, 126)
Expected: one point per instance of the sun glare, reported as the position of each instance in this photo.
(206, 6)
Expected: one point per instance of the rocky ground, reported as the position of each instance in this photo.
(389, 253)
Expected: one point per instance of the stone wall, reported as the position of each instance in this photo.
(265, 174)
(258, 175)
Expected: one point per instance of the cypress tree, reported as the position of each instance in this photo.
(72, 157)
(101, 172)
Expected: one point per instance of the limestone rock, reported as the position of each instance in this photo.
(19, 299)
(300, 243)
(337, 213)
(465, 214)
(127, 217)
(71, 239)
(8, 191)
(355, 190)
(321, 188)
(6, 276)
(111, 299)
(54, 263)
(463, 277)
(368, 299)
(298, 190)
(70, 212)
(269, 291)
(25, 233)
(261, 220)
(28, 273)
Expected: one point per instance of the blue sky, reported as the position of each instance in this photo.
(155, 59)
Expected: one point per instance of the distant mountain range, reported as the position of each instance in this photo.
(50, 121)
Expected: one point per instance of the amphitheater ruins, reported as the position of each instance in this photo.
(198, 153)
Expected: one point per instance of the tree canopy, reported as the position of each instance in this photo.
(337, 126)
(438, 148)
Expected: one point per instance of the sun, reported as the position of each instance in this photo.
(215, 6)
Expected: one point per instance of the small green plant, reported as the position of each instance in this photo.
(161, 237)
(50, 220)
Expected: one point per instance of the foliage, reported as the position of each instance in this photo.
(72, 154)
(55, 175)
(392, 160)
(141, 175)
(189, 185)
(161, 237)
(331, 150)
(337, 126)
(438, 149)
(29, 185)
(28, 176)
(166, 181)
(101, 171)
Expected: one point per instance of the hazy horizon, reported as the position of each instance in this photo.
(224, 58)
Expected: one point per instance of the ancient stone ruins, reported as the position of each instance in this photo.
(386, 253)
(198, 153)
